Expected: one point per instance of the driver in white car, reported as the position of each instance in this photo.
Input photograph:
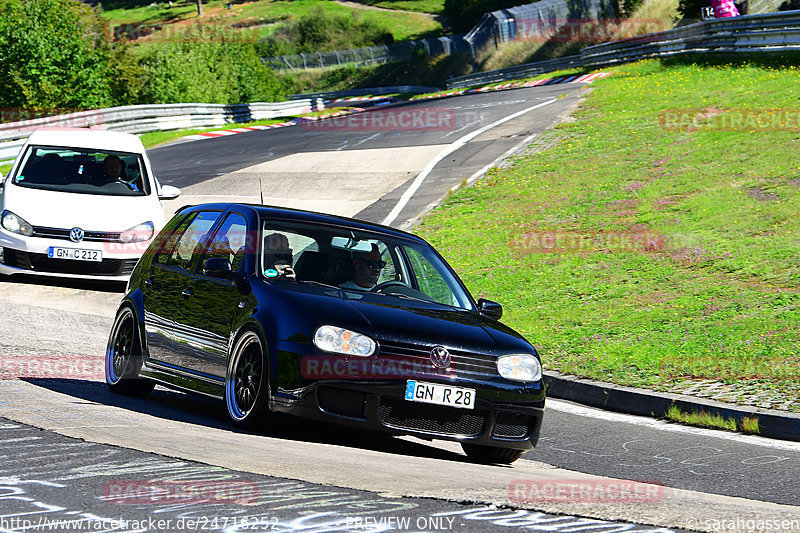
(114, 171)
(366, 270)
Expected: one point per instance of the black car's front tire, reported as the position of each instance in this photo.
(124, 357)
(490, 454)
(247, 383)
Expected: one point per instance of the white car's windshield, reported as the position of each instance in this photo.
(84, 171)
(358, 261)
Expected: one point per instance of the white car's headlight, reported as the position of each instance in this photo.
(520, 367)
(340, 340)
(142, 232)
(16, 224)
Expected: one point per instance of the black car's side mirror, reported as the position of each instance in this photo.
(218, 267)
(491, 309)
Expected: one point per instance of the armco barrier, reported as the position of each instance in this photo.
(147, 118)
(375, 91)
(773, 32)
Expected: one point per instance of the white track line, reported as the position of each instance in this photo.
(661, 425)
(406, 197)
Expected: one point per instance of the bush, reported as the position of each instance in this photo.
(208, 63)
(53, 54)
(320, 31)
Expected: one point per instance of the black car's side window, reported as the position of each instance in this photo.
(181, 246)
(168, 242)
(229, 241)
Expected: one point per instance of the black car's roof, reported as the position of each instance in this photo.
(300, 215)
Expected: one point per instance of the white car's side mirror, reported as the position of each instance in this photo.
(168, 192)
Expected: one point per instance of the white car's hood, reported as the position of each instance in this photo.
(86, 211)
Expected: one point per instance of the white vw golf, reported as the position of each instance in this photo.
(79, 203)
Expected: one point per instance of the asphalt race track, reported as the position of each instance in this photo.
(73, 451)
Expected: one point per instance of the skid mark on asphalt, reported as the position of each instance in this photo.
(80, 485)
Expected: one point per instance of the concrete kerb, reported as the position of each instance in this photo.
(629, 400)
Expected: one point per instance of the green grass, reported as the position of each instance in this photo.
(714, 296)
(4, 169)
(434, 7)
(715, 421)
(261, 16)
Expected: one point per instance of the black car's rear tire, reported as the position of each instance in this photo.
(490, 454)
(247, 382)
(124, 357)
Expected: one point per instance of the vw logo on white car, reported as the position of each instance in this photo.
(76, 235)
(440, 357)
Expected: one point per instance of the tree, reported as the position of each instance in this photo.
(199, 8)
(53, 54)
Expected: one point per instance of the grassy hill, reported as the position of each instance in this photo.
(653, 240)
(260, 18)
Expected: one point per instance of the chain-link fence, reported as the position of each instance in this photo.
(537, 21)
(373, 55)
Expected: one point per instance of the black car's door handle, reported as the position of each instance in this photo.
(187, 292)
(148, 282)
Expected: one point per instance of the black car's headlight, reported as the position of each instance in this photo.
(339, 340)
(16, 224)
(520, 367)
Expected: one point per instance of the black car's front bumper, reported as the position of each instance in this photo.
(508, 416)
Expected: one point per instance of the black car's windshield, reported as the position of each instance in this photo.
(358, 262)
(84, 171)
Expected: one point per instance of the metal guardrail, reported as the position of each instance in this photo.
(773, 32)
(159, 117)
(375, 91)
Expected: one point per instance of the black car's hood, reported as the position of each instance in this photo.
(394, 319)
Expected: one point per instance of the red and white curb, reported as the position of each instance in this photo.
(246, 129)
(360, 100)
(585, 78)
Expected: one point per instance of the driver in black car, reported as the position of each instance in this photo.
(366, 270)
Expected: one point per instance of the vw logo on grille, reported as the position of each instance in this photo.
(440, 357)
(76, 235)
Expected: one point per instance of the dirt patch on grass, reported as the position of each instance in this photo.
(757, 193)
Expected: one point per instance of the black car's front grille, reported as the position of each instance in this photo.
(435, 419)
(43, 263)
(59, 233)
(463, 363)
(342, 402)
(512, 426)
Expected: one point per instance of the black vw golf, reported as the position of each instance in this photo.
(278, 310)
